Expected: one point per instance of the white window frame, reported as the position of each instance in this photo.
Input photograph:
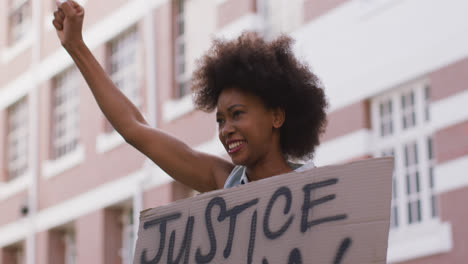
(20, 136)
(430, 235)
(70, 246)
(17, 31)
(75, 153)
(65, 113)
(408, 109)
(181, 103)
(280, 16)
(23, 38)
(181, 77)
(129, 71)
(128, 236)
(110, 139)
(385, 124)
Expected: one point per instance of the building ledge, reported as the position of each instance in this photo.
(419, 241)
(174, 109)
(451, 175)
(344, 148)
(52, 168)
(19, 184)
(108, 141)
(11, 52)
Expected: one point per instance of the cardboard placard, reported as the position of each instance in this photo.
(333, 214)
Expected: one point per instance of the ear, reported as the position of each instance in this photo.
(279, 115)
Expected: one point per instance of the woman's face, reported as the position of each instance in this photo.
(247, 129)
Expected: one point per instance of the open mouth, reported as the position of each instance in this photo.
(235, 146)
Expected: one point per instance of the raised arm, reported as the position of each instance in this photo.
(200, 171)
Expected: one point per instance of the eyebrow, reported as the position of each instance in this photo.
(233, 106)
(230, 108)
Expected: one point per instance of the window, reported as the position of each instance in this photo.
(128, 236)
(430, 170)
(400, 128)
(181, 76)
(427, 102)
(280, 16)
(14, 254)
(413, 186)
(66, 118)
(408, 111)
(385, 112)
(123, 65)
(19, 19)
(17, 139)
(70, 246)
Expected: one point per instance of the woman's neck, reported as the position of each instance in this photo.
(264, 170)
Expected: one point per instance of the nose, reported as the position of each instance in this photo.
(227, 129)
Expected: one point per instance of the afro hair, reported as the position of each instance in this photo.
(270, 71)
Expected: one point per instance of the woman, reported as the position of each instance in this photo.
(269, 108)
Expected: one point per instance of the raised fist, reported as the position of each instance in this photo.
(68, 21)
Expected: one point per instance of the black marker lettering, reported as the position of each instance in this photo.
(308, 204)
(266, 229)
(295, 257)
(253, 232)
(223, 214)
(232, 214)
(199, 258)
(342, 250)
(162, 222)
(185, 246)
